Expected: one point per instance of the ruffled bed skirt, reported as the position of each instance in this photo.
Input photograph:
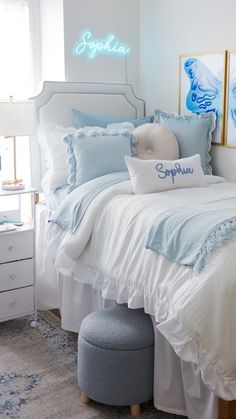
(178, 386)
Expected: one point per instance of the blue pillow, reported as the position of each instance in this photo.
(89, 157)
(193, 133)
(83, 119)
(141, 121)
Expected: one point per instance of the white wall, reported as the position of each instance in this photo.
(52, 40)
(169, 28)
(102, 17)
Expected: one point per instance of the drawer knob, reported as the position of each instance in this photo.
(13, 303)
(11, 248)
(13, 276)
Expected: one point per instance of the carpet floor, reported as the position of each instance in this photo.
(38, 375)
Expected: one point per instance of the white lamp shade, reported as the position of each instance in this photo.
(17, 118)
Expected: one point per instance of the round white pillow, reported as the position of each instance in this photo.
(156, 142)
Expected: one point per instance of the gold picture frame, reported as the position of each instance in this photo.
(230, 110)
(202, 87)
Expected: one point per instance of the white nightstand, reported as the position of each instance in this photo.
(17, 260)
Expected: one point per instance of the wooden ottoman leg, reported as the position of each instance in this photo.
(227, 409)
(85, 398)
(135, 410)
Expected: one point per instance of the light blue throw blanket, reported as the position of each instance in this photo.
(189, 236)
(71, 212)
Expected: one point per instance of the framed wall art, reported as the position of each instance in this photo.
(230, 117)
(202, 80)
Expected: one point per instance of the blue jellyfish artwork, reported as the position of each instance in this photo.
(232, 101)
(205, 92)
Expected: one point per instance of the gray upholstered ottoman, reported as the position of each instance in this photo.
(116, 357)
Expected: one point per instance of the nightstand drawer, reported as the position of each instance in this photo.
(16, 246)
(16, 303)
(16, 274)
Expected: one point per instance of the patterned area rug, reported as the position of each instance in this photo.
(38, 375)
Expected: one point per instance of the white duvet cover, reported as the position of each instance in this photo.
(197, 314)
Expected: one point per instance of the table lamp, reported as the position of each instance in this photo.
(17, 118)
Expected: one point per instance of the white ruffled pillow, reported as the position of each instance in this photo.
(149, 176)
(116, 126)
(54, 155)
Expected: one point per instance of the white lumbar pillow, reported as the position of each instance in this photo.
(149, 176)
(156, 142)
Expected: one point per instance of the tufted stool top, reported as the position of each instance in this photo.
(156, 142)
(118, 328)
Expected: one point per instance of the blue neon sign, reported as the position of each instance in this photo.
(110, 45)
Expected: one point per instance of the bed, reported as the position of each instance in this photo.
(192, 366)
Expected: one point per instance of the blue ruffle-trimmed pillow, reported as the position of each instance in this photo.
(193, 133)
(83, 119)
(89, 157)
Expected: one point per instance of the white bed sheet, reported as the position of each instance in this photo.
(197, 314)
(178, 386)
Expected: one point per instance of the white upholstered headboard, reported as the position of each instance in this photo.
(56, 100)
